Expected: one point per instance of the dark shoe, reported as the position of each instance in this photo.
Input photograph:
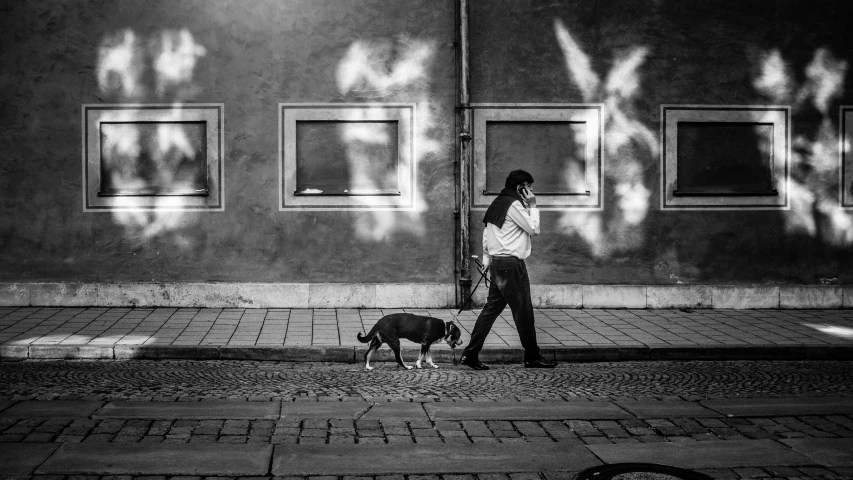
(473, 363)
(539, 363)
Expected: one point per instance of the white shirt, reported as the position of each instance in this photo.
(514, 237)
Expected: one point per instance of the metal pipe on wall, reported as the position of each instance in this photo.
(464, 152)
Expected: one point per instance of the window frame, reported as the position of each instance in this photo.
(778, 116)
(403, 113)
(592, 114)
(93, 115)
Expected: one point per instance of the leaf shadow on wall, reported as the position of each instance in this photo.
(165, 160)
(631, 241)
(387, 70)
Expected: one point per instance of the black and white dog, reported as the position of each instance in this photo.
(416, 328)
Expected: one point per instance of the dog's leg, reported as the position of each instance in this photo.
(375, 343)
(429, 358)
(424, 352)
(394, 343)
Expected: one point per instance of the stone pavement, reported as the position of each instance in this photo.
(159, 420)
(330, 334)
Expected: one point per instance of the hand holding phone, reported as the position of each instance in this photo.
(527, 195)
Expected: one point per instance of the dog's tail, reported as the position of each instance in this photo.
(369, 336)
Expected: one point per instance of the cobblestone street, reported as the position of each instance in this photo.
(195, 380)
(319, 409)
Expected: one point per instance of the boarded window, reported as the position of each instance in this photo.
(725, 158)
(560, 145)
(153, 158)
(347, 158)
(553, 152)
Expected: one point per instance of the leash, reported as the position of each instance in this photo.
(446, 336)
(482, 272)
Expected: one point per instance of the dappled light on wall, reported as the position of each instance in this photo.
(131, 67)
(383, 67)
(148, 224)
(386, 70)
(121, 65)
(149, 160)
(628, 145)
(369, 146)
(815, 210)
(176, 56)
(147, 171)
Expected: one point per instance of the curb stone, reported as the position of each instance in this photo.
(346, 354)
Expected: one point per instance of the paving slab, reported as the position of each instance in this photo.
(706, 454)
(21, 459)
(158, 459)
(396, 411)
(324, 410)
(649, 408)
(208, 409)
(831, 452)
(364, 459)
(781, 406)
(573, 410)
(52, 409)
(329, 346)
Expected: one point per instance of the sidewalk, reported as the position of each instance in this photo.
(330, 334)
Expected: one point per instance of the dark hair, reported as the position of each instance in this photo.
(516, 178)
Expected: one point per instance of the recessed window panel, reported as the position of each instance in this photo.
(560, 145)
(724, 157)
(148, 158)
(347, 158)
(553, 152)
(153, 157)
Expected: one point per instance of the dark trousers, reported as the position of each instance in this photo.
(510, 286)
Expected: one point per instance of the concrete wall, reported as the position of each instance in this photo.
(249, 56)
(631, 57)
(634, 56)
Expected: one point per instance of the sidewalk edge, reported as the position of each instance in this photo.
(351, 354)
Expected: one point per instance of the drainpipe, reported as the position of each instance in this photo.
(464, 159)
